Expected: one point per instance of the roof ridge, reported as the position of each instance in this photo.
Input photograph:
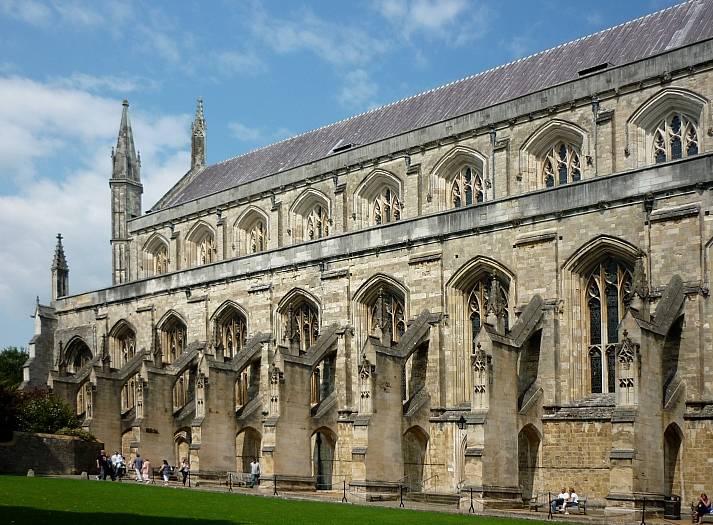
(457, 81)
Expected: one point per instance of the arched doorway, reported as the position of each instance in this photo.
(182, 445)
(323, 442)
(414, 445)
(528, 446)
(672, 441)
(247, 447)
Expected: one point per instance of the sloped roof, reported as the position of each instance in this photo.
(674, 27)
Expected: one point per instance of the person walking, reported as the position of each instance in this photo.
(185, 470)
(102, 462)
(254, 473)
(165, 471)
(146, 470)
(137, 465)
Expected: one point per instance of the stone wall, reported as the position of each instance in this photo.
(48, 454)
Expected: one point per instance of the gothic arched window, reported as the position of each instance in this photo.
(479, 303)
(675, 137)
(122, 345)
(608, 291)
(561, 165)
(205, 250)
(173, 339)
(232, 333)
(388, 314)
(386, 207)
(317, 223)
(183, 390)
(128, 393)
(467, 187)
(302, 325)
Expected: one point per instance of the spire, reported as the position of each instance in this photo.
(60, 271)
(60, 261)
(126, 164)
(198, 136)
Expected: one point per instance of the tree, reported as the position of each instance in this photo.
(11, 360)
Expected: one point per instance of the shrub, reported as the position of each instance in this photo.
(77, 432)
(41, 412)
(9, 408)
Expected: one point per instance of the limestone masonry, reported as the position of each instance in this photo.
(501, 284)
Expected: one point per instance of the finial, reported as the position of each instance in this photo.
(59, 238)
(37, 300)
(125, 103)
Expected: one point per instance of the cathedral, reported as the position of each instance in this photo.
(501, 284)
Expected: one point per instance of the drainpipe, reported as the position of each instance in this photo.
(493, 137)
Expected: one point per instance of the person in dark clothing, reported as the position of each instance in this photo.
(703, 507)
(103, 465)
(185, 469)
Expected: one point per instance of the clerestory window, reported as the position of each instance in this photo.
(561, 165)
(386, 207)
(317, 223)
(467, 188)
(675, 138)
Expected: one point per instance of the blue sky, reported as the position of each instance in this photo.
(266, 71)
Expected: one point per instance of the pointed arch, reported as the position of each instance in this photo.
(468, 300)
(250, 231)
(588, 254)
(298, 319)
(230, 328)
(172, 329)
(529, 440)
(597, 279)
(200, 244)
(554, 154)
(459, 178)
(414, 447)
(155, 258)
(122, 343)
(248, 445)
(310, 216)
(651, 121)
(378, 199)
(381, 306)
(77, 354)
(323, 445)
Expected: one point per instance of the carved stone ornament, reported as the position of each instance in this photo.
(627, 351)
(640, 285)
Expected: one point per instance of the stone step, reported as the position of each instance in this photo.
(434, 498)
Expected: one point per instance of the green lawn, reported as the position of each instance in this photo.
(64, 501)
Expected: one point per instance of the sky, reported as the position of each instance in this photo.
(265, 70)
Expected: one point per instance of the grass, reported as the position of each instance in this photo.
(66, 501)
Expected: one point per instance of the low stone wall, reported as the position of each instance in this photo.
(47, 454)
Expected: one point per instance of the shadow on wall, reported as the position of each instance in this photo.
(48, 454)
(31, 516)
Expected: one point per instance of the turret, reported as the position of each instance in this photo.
(126, 190)
(198, 132)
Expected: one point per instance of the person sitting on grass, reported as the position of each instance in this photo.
(165, 471)
(558, 502)
(703, 506)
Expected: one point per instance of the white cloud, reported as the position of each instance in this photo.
(244, 133)
(339, 44)
(457, 22)
(37, 13)
(358, 90)
(257, 136)
(112, 83)
(71, 131)
(238, 62)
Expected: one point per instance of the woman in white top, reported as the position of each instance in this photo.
(572, 501)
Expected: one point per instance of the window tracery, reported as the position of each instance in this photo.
(467, 187)
(561, 165)
(173, 340)
(675, 137)
(302, 326)
(608, 291)
(128, 394)
(479, 303)
(317, 223)
(233, 334)
(160, 261)
(206, 250)
(256, 237)
(386, 207)
(182, 390)
(123, 346)
(387, 314)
